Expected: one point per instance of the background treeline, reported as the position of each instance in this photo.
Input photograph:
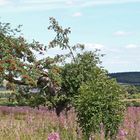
(132, 78)
(131, 83)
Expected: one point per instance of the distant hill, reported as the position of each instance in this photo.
(132, 78)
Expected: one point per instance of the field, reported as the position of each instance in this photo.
(24, 123)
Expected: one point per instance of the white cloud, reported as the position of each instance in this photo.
(93, 46)
(70, 2)
(77, 14)
(122, 33)
(116, 60)
(87, 3)
(106, 2)
(25, 5)
(131, 46)
(42, 1)
(30, 5)
(121, 62)
(3, 2)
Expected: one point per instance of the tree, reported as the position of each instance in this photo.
(17, 61)
(18, 64)
(60, 101)
(74, 74)
(81, 81)
(20, 67)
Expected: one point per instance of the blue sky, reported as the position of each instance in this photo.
(110, 25)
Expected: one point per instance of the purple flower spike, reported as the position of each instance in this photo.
(54, 136)
(122, 133)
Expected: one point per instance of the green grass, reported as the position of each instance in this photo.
(7, 92)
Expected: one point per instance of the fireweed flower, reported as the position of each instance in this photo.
(122, 133)
(53, 136)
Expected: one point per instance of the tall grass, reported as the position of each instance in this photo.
(24, 123)
(131, 126)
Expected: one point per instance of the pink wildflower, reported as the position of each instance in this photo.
(122, 133)
(53, 136)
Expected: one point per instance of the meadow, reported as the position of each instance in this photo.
(25, 123)
(72, 79)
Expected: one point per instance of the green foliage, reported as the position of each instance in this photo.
(134, 96)
(131, 89)
(17, 59)
(99, 102)
(62, 96)
(138, 88)
(61, 40)
(132, 103)
(80, 80)
(77, 72)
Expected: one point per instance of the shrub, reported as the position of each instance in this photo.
(132, 104)
(99, 102)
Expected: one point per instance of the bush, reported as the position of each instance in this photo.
(134, 96)
(131, 89)
(132, 104)
(99, 102)
(75, 73)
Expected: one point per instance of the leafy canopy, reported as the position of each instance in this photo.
(17, 60)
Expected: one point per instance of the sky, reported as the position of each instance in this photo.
(113, 26)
